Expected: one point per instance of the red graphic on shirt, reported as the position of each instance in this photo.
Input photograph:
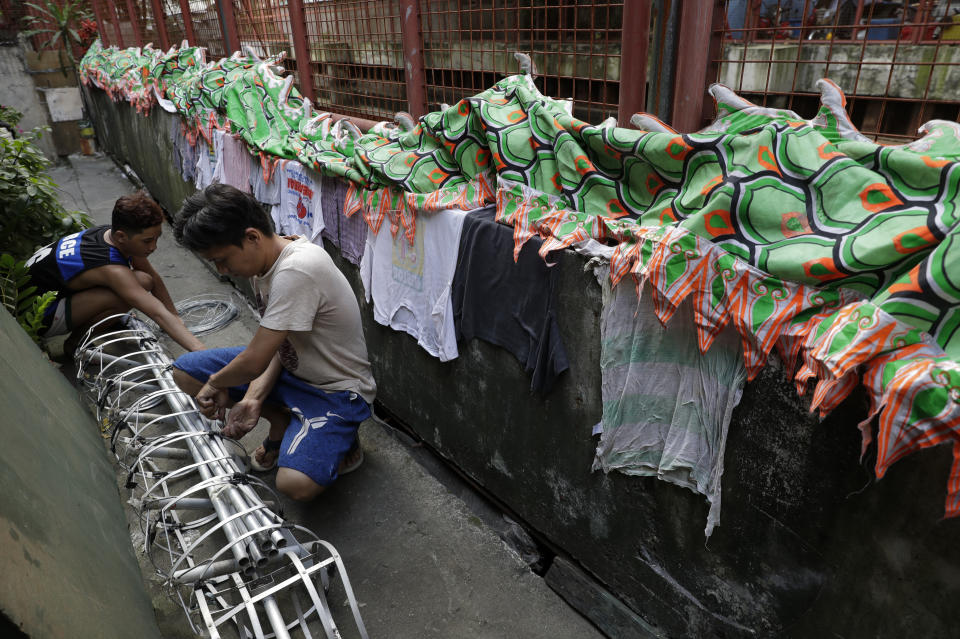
(288, 356)
(301, 209)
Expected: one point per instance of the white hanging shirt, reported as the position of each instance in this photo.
(410, 285)
(299, 211)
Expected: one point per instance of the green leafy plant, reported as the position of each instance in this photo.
(60, 23)
(30, 212)
(20, 299)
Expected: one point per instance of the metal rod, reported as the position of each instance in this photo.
(211, 449)
(101, 29)
(413, 57)
(134, 24)
(116, 25)
(187, 21)
(276, 619)
(176, 503)
(304, 62)
(160, 20)
(206, 571)
(170, 453)
(634, 41)
(689, 88)
(231, 35)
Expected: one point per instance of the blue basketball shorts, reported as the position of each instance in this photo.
(323, 425)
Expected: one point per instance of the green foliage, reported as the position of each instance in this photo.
(59, 22)
(30, 213)
(20, 299)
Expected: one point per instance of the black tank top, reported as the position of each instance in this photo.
(53, 266)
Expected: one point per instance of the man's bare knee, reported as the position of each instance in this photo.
(187, 383)
(297, 486)
(145, 279)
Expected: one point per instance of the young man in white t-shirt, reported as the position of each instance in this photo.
(305, 370)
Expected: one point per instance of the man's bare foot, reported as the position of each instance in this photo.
(265, 456)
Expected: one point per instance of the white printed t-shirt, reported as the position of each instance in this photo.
(410, 285)
(306, 294)
(299, 211)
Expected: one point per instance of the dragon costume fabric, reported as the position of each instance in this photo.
(803, 235)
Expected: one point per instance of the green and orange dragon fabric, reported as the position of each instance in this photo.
(802, 234)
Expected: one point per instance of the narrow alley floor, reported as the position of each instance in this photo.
(420, 553)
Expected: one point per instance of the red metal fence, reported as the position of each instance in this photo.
(355, 49)
(372, 58)
(898, 62)
(575, 49)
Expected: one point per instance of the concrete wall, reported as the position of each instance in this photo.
(20, 92)
(807, 545)
(35, 84)
(68, 568)
(922, 71)
(61, 98)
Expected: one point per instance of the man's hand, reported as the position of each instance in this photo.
(242, 418)
(213, 401)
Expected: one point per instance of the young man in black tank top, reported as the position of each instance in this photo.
(104, 271)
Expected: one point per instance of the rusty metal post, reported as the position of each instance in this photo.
(134, 24)
(231, 34)
(298, 24)
(693, 56)
(100, 23)
(116, 24)
(856, 19)
(920, 17)
(160, 20)
(413, 57)
(187, 22)
(634, 43)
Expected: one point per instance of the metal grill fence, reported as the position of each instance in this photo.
(574, 47)
(173, 22)
(357, 65)
(898, 62)
(263, 26)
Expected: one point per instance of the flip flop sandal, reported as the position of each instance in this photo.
(356, 464)
(269, 445)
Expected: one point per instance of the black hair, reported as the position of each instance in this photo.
(219, 215)
(134, 213)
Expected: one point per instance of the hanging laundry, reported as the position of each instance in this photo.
(350, 232)
(299, 210)
(666, 406)
(332, 208)
(233, 163)
(265, 191)
(410, 284)
(184, 151)
(206, 162)
(507, 303)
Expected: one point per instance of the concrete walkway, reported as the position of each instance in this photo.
(422, 553)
